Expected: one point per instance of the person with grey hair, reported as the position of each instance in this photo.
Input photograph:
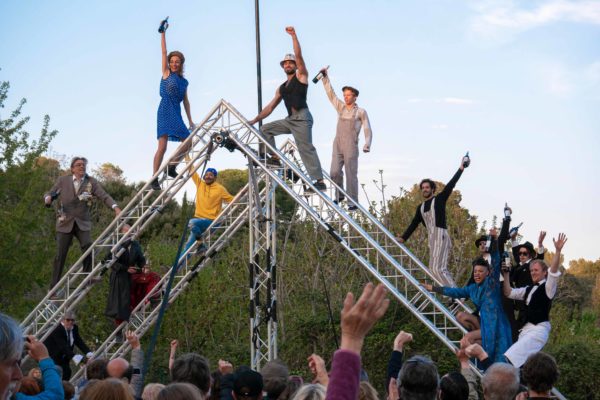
(151, 391)
(76, 193)
(500, 382)
(11, 345)
(11, 348)
(312, 391)
(62, 341)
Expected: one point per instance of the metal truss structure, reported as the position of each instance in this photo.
(364, 237)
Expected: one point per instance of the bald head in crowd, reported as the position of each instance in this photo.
(117, 368)
(500, 382)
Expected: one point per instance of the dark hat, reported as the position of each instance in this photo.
(247, 383)
(528, 246)
(275, 376)
(482, 238)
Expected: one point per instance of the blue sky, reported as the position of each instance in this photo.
(517, 83)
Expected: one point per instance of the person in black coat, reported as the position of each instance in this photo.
(62, 341)
(131, 261)
(520, 275)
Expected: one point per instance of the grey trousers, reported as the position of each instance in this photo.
(63, 242)
(298, 124)
(345, 157)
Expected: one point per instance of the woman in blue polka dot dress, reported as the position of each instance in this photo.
(173, 90)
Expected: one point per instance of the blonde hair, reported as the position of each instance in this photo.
(367, 391)
(111, 388)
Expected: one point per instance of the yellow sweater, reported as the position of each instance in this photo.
(209, 198)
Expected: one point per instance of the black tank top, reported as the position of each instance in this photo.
(294, 94)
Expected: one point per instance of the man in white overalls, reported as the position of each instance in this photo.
(345, 145)
(432, 214)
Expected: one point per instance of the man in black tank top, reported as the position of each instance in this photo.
(299, 120)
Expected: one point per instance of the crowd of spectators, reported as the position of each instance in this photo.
(191, 377)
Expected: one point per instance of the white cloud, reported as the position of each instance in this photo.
(561, 80)
(444, 100)
(501, 21)
(557, 80)
(592, 72)
(455, 101)
(439, 126)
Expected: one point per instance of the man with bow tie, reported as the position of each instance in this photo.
(537, 298)
(75, 194)
(61, 344)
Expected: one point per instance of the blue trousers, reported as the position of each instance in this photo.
(197, 227)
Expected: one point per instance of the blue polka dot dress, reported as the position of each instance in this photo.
(169, 120)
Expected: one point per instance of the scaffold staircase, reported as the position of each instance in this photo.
(359, 232)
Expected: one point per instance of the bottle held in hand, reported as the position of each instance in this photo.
(507, 211)
(466, 160)
(163, 25)
(53, 196)
(488, 243)
(320, 75)
(515, 229)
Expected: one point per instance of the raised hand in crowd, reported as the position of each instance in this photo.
(428, 286)
(462, 358)
(317, 367)
(225, 367)
(36, 349)
(174, 344)
(401, 339)
(475, 350)
(133, 340)
(541, 239)
(358, 318)
(393, 393)
(558, 245)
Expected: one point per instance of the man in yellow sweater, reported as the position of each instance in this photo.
(210, 196)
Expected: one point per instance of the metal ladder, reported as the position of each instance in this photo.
(361, 234)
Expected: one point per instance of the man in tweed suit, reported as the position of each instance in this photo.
(75, 194)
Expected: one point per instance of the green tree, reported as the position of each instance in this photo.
(24, 177)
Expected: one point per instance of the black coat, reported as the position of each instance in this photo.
(119, 293)
(59, 348)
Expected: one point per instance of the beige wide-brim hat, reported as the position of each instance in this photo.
(288, 57)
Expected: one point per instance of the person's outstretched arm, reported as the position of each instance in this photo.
(395, 361)
(357, 320)
(265, 112)
(174, 344)
(301, 72)
(553, 272)
(53, 388)
(417, 219)
(444, 194)
(163, 49)
(335, 101)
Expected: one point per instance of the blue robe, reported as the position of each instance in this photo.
(496, 335)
